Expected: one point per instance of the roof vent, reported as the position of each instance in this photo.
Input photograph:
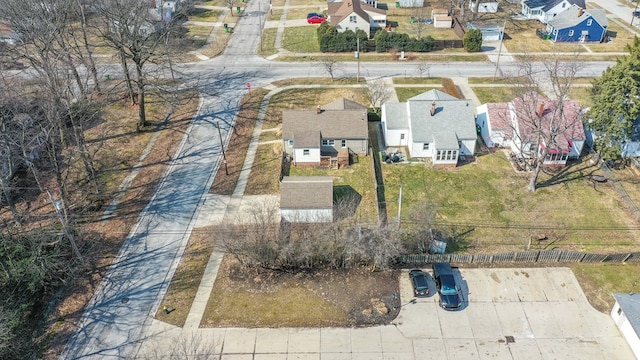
(433, 108)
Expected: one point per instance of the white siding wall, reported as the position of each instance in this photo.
(417, 150)
(626, 329)
(307, 215)
(360, 24)
(393, 137)
(468, 147)
(300, 158)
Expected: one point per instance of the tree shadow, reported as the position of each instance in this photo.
(345, 202)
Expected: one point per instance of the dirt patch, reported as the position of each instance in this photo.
(266, 298)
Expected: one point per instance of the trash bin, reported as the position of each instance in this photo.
(107, 77)
(397, 4)
(413, 20)
(238, 9)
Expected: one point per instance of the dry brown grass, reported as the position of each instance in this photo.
(115, 133)
(186, 279)
(236, 149)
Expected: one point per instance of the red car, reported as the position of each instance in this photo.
(316, 20)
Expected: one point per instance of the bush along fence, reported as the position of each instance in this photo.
(534, 256)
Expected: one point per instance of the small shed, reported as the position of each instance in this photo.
(441, 18)
(626, 315)
(306, 199)
(490, 31)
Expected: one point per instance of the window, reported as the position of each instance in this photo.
(290, 142)
(589, 22)
(401, 136)
(353, 19)
(344, 143)
(328, 142)
(305, 152)
(425, 146)
(570, 32)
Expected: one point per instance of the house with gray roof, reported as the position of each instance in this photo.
(545, 10)
(356, 15)
(626, 315)
(577, 24)
(326, 135)
(431, 125)
(306, 199)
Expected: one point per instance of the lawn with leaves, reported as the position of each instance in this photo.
(405, 93)
(488, 202)
(600, 281)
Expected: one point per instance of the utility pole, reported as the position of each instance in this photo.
(224, 156)
(358, 57)
(399, 206)
(500, 51)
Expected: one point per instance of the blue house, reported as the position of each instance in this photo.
(578, 24)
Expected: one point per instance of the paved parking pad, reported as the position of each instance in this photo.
(508, 314)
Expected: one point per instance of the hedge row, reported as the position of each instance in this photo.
(331, 40)
(450, 88)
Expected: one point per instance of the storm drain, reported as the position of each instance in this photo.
(510, 339)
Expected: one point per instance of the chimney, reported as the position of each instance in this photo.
(580, 11)
(318, 110)
(540, 109)
(433, 108)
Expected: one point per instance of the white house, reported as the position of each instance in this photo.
(306, 199)
(545, 10)
(517, 125)
(626, 315)
(355, 15)
(431, 125)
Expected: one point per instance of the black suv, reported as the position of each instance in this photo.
(450, 297)
(420, 283)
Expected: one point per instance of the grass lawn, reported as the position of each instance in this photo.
(488, 202)
(600, 281)
(287, 303)
(268, 42)
(320, 3)
(493, 80)
(405, 93)
(185, 281)
(358, 176)
(493, 94)
(582, 94)
(620, 38)
(199, 14)
(317, 81)
(274, 15)
(265, 172)
(302, 39)
(417, 80)
(301, 13)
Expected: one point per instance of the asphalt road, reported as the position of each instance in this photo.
(116, 320)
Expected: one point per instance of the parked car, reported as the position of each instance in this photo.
(420, 283)
(314, 14)
(450, 297)
(316, 20)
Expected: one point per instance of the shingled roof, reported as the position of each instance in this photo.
(340, 10)
(330, 124)
(306, 192)
(574, 15)
(549, 4)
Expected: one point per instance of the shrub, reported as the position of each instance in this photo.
(450, 88)
(386, 41)
(332, 41)
(472, 40)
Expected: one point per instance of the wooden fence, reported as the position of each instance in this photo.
(535, 256)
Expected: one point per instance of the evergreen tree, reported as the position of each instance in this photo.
(616, 103)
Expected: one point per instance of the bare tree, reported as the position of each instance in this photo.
(135, 32)
(378, 93)
(544, 124)
(330, 66)
(423, 68)
(230, 5)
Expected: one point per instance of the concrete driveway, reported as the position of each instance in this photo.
(544, 310)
